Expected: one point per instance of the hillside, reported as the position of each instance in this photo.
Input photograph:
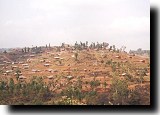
(84, 76)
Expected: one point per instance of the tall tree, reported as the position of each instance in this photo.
(114, 47)
(28, 49)
(11, 85)
(25, 49)
(110, 48)
(119, 90)
(87, 43)
(76, 56)
(22, 51)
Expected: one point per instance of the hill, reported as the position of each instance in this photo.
(78, 74)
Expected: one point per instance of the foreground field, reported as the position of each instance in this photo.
(83, 77)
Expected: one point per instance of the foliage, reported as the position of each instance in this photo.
(94, 84)
(119, 90)
(113, 67)
(109, 62)
(11, 85)
(76, 56)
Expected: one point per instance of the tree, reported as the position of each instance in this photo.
(79, 83)
(119, 90)
(134, 98)
(84, 45)
(25, 49)
(17, 74)
(117, 51)
(113, 67)
(109, 62)
(28, 49)
(105, 45)
(94, 84)
(81, 43)
(78, 89)
(94, 45)
(139, 50)
(130, 51)
(40, 48)
(110, 48)
(102, 99)
(5, 52)
(87, 43)
(105, 85)
(114, 48)
(11, 85)
(62, 45)
(123, 48)
(22, 51)
(60, 62)
(142, 74)
(58, 49)
(76, 56)
(2, 85)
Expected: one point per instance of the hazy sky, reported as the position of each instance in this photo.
(39, 22)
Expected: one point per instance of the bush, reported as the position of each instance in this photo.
(113, 67)
(109, 62)
(119, 90)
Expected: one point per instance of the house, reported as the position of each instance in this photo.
(117, 56)
(50, 77)
(46, 65)
(26, 67)
(142, 61)
(24, 64)
(56, 57)
(69, 77)
(32, 55)
(22, 77)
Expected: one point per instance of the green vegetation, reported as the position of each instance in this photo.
(119, 90)
(37, 92)
(76, 56)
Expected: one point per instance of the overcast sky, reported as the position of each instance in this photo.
(39, 22)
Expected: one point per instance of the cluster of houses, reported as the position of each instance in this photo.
(9, 68)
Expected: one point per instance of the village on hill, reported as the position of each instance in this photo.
(77, 74)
